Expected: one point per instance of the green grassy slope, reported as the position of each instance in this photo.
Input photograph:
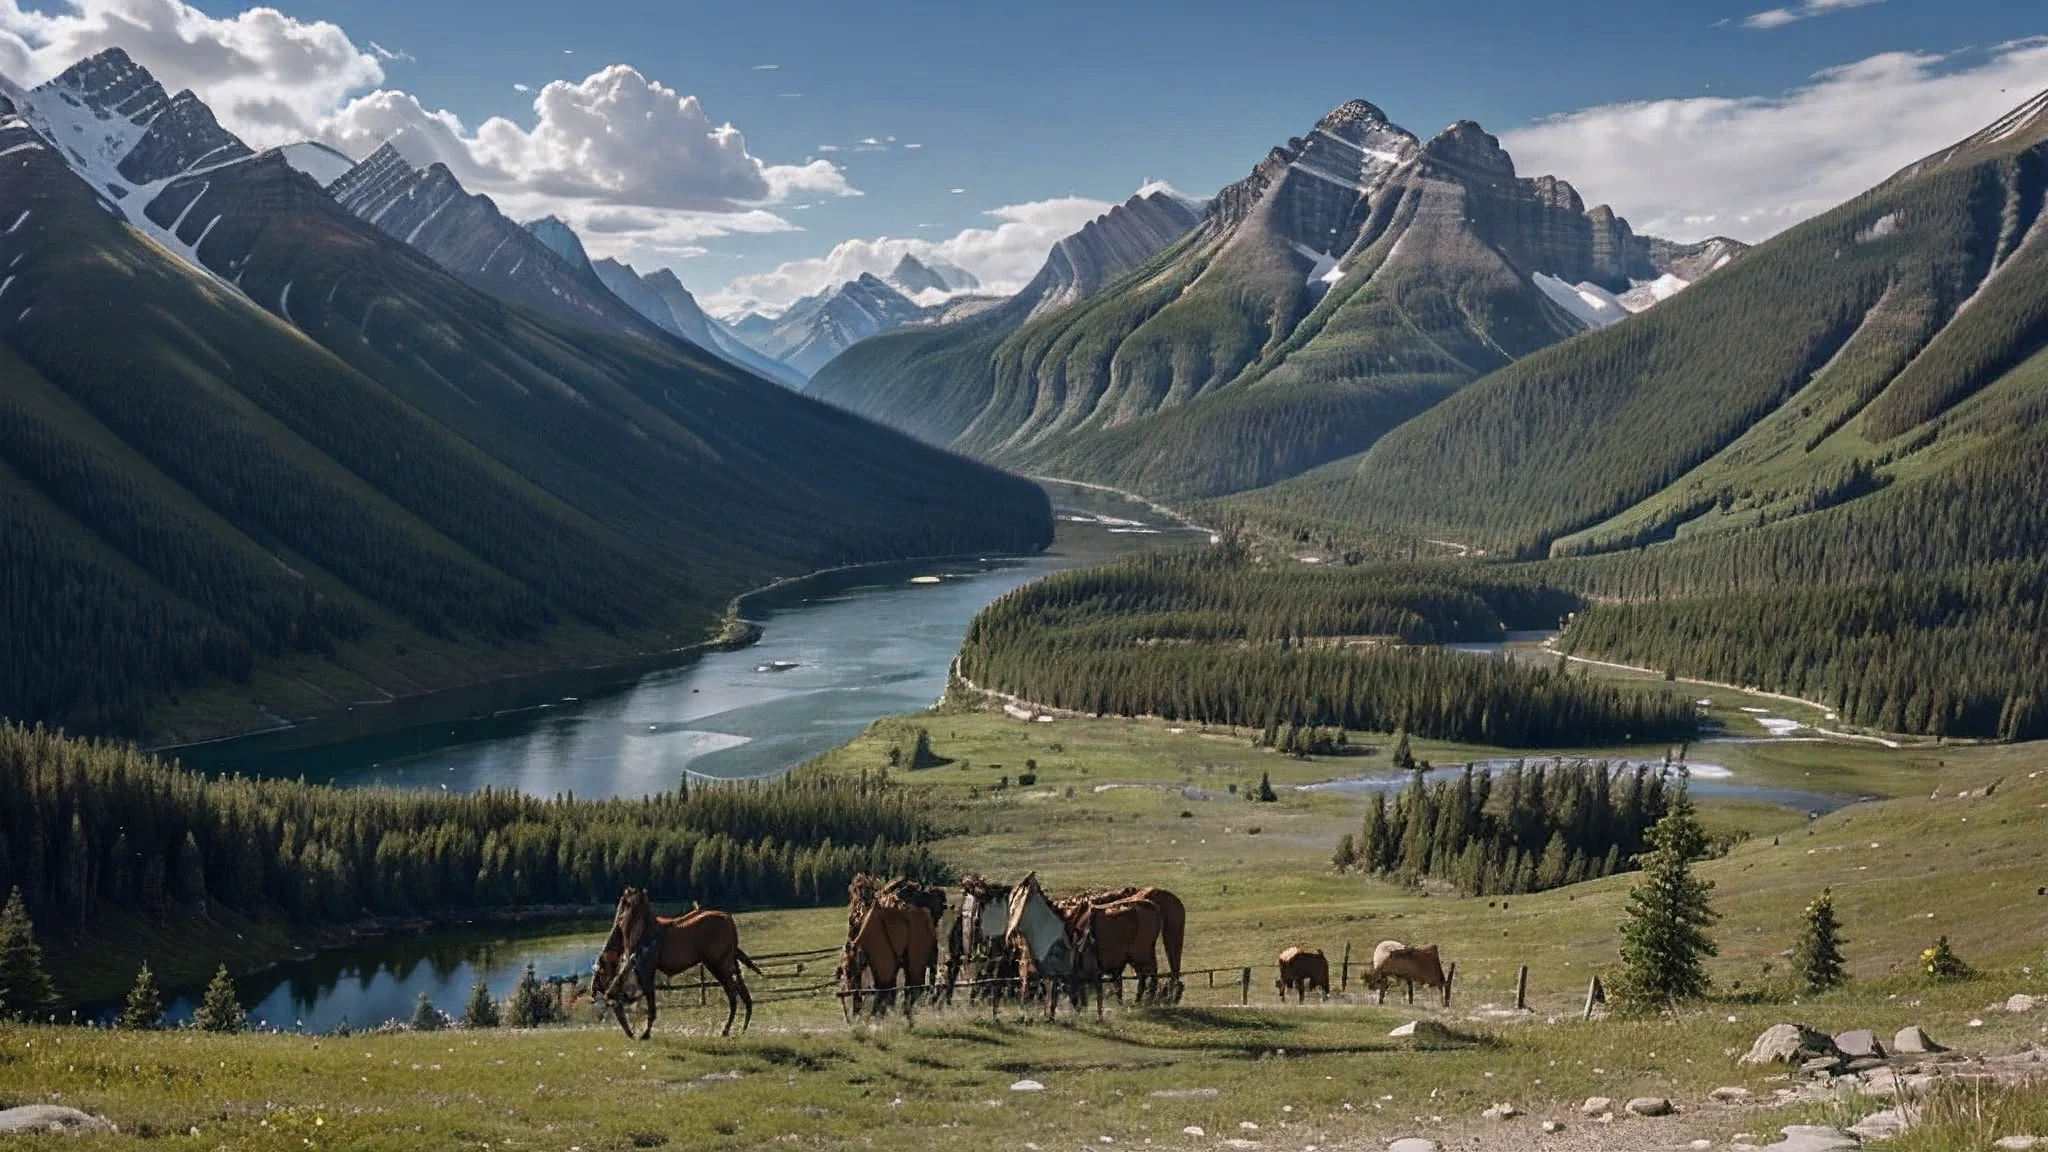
(335, 441)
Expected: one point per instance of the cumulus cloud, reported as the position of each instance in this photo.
(270, 77)
(1779, 17)
(639, 162)
(1752, 166)
(1004, 256)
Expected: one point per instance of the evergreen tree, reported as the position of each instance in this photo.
(144, 1010)
(921, 754)
(1265, 794)
(1404, 756)
(426, 1017)
(24, 987)
(1817, 958)
(219, 1011)
(1664, 940)
(1346, 856)
(482, 1009)
(531, 1004)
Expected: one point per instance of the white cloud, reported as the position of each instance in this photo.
(640, 163)
(1779, 17)
(1749, 167)
(1004, 256)
(767, 67)
(268, 76)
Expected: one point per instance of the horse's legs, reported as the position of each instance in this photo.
(1411, 991)
(619, 1010)
(735, 987)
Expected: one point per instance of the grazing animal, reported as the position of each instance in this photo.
(892, 945)
(1047, 958)
(1122, 935)
(1302, 969)
(641, 944)
(1173, 924)
(984, 926)
(1393, 960)
(865, 892)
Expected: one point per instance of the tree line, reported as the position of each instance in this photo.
(1533, 828)
(85, 822)
(1217, 639)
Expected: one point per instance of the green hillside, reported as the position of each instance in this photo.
(331, 467)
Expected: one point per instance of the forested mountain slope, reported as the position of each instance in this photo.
(1355, 278)
(239, 426)
(1884, 345)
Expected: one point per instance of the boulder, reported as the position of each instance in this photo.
(2019, 1143)
(1421, 1030)
(1595, 1105)
(1730, 1095)
(1412, 1144)
(1027, 1086)
(2020, 1002)
(1813, 1138)
(1502, 1111)
(1789, 1044)
(1881, 1082)
(1881, 1125)
(1858, 1042)
(1914, 1039)
(1649, 1106)
(1553, 1127)
(31, 1118)
(1822, 1066)
(1864, 1064)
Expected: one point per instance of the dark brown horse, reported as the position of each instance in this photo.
(642, 944)
(1303, 969)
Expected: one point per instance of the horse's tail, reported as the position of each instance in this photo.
(743, 958)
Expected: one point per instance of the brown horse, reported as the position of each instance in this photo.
(1125, 935)
(893, 944)
(1393, 960)
(1302, 969)
(862, 895)
(1173, 926)
(642, 944)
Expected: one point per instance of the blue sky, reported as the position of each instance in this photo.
(1064, 105)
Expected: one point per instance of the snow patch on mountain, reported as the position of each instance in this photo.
(1588, 303)
(325, 165)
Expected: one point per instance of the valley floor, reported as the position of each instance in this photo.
(1144, 802)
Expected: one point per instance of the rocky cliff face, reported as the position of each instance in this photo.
(660, 297)
(1106, 247)
(914, 277)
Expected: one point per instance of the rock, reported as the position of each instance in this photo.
(2019, 1143)
(1858, 1042)
(1729, 1095)
(1235, 1142)
(1789, 1044)
(1881, 1082)
(1422, 1030)
(1185, 1093)
(1814, 1138)
(1822, 1065)
(1595, 1105)
(1412, 1144)
(50, 1118)
(1649, 1106)
(1553, 1127)
(1881, 1125)
(1863, 1064)
(2019, 1002)
(1027, 1086)
(1502, 1111)
(1913, 1039)
(1193, 1130)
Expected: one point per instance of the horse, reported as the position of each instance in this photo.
(1120, 935)
(1300, 970)
(1173, 923)
(983, 926)
(1393, 960)
(891, 944)
(1040, 936)
(862, 895)
(642, 943)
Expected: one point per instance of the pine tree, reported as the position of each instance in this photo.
(531, 1004)
(1265, 794)
(1346, 856)
(24, 987)
(426, 1017)
(1404, 756)
(219, 1011)
(1664, 941)
(144, 1010)
(482, 1009)
(1817, 959)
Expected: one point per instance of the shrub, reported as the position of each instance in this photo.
(1817, 958)
(426, 1017)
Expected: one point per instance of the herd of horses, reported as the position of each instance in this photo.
(906, 940)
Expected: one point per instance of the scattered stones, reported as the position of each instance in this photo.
(1649, 1106)
(1914, 1040)
(1552, 1127)
(1502, 1111)
(1882, 1125)
(1857, 1043)
(1595, 1105)
(1027, 1086)
(2020, 1002)
(51, 1118)
(1412, 1144)
(1881, 1082)
(1730, 1095)
(2019, 1143)
(1789, 1044)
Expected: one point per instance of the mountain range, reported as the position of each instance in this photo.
(273, 443)
(1355, 278)
(811, 332)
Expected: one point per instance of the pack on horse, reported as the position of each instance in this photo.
(642, 944)
(1048, 955)
(1393, 960)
